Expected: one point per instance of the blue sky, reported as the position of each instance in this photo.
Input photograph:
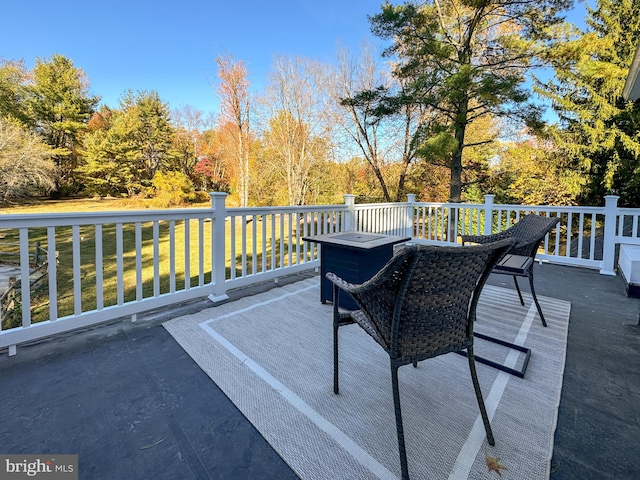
(171, 46)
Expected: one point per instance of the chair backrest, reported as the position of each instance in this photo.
(529, 233)
(422, 303)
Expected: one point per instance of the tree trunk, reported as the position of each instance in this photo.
(460, 125)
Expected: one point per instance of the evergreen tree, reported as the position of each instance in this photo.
(463, 60)
(60, 105)
(127, 147)
(155, 134)
(597, 128)
(112, 157)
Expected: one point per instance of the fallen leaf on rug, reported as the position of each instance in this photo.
(493, 464)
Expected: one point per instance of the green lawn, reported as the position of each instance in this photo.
(82, 205)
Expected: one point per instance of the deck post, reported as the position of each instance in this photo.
(488, 214)
(609, 247)
(218, 240)
(408, 225)
(349, 221)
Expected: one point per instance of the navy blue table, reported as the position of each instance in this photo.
(354, 257)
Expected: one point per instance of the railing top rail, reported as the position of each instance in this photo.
(445, 204)
(379, 205)
(94, 218)
(125, 216)
(286, 209)
(503, 207)
(549, 208)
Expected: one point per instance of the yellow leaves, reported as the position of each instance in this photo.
(493, 464)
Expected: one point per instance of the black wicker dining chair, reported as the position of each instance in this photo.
(529, 233)
(420, 305)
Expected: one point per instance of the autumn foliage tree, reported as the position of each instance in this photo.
(386, 141)
(533, 171)
(297, 133)
(213, 174)
(25, 162)
(14, 78)
(188, 142)
(233, 91)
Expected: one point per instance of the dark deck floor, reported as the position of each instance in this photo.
(133, 405)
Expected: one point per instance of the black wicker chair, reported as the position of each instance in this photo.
(421, 304)
(529, 233)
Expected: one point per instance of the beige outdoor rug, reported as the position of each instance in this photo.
(272, 355)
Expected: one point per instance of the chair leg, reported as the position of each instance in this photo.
(400, 430)
(515, 280)
(535, 299)
(336, 324)
(476, 387)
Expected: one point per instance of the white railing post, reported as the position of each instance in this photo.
(408, 226)
(349, 222)
(609, 247)
(488, 214)
(218, 241)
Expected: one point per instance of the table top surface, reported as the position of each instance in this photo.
(355, 239)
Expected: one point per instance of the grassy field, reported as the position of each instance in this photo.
(261, 235)
(82, 205)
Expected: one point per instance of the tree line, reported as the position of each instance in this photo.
(450, 110)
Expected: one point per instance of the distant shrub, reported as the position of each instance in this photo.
(202, 197)
(172, 189)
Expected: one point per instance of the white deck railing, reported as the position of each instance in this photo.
(117, 264)
(585, 236)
